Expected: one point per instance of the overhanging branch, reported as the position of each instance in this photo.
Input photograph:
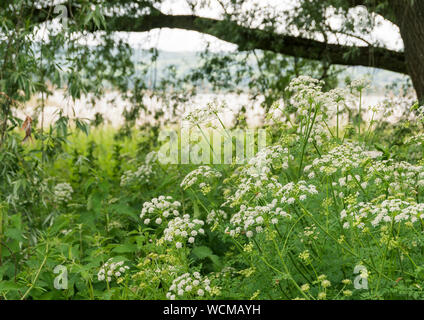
(248, 38)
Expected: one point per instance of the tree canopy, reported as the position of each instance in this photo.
(74, 44)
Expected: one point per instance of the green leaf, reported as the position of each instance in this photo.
(82, 126)
(202, 252)
(125, 248)
(196, 210)
(14, 234)
(10, 285)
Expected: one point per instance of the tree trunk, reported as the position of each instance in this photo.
(410, 20)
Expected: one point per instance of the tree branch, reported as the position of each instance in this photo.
(249, 38)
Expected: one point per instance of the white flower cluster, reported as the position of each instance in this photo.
(344, 157)
(360, 84)
(417, 139)
(199, 177)
(187, 285)
(306, 90)
(159, 209)
(396, 177)
(143, 173)
(151, 157)
(257, 175)
(111, 270)
(338, 95)
(296, 191)
(344, 181)
(305, 84)
(182, 230)
(349, 182)
(312, 103)
(216, 216)
(63, 192)
(307, 94)
(251, 220)
(259, 166)
(259, 188)
(203, 114)
(388, 211)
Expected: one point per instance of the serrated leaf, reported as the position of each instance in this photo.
(202, 252)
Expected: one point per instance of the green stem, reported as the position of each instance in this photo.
(309, 130)
(208, 141)
(337, 126)
(359, 115)
(1, 231)
(337, 242)
(37, 274)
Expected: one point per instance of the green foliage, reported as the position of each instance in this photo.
(297, 232)
(297, 229)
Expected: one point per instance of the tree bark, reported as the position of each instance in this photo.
(410, 20)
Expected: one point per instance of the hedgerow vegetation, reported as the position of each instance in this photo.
(331, 209)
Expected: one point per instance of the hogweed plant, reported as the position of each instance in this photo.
(330, 208)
